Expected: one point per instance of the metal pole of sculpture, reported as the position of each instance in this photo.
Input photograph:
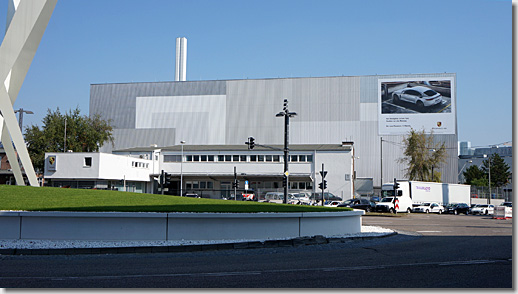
(26, 23)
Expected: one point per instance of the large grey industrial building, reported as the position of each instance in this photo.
(330, 110)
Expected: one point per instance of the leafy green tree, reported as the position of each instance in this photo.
(473, 175)
(480, 182)
(83, 134)
(423, 156)
(500, 173)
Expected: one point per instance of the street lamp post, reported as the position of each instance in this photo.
(181, 170)
(20, 116)
(433, 163)
(287, 114)
(458, 175)
(65, 138)
(489, 170)
(489, 199)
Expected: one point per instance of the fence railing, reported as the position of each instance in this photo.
(496, 193)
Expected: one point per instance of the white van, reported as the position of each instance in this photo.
(277, 197)
(274, 197)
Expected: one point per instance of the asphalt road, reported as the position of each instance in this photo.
(430, 251)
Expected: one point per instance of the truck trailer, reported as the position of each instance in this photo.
(415, 192)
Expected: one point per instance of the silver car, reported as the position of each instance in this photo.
(419, 95)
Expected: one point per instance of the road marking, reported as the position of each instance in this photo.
(444, 108)
(252, 273)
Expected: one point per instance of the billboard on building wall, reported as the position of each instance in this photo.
(405, 104)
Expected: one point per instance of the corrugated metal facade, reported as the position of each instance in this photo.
(330, 110)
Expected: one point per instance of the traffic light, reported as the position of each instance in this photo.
(235, 184)
(285, 181)
(250, 143)
(323, 185)
(167, 179)
(396, 184)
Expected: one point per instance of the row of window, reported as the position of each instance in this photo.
(190, 185)
(139, 164)
(236, 158)
(208, 185)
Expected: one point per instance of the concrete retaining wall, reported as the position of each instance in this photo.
(174, 226)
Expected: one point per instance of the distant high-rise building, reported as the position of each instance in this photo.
(465, 148)
(181, 59)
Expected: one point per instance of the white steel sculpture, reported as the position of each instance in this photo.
(26, 23)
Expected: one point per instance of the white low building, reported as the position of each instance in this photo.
(207, 170)
(98, 171)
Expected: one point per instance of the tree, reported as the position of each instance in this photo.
(423, 156)
(500, 173)
(83, 134)
(474, 176)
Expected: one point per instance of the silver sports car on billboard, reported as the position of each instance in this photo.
(421, 96)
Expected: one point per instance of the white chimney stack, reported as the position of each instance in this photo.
(181, 59)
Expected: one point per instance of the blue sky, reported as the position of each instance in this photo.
(112, 41)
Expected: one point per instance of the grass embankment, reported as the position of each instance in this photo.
(58, 199)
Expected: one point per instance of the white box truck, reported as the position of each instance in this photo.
(415, 192)
(395, 201)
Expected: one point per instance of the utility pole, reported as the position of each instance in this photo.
(287, 114)
(235, 183)
(381, 162)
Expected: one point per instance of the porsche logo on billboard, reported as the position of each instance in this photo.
(51, 162)
(418, 104)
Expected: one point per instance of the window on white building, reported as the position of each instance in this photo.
(88, 162)
(172, 158)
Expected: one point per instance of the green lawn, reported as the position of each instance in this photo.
(58, 199)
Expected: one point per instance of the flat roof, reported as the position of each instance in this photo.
(278, 78)
(347, 146)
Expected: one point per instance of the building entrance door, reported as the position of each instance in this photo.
(225, 189)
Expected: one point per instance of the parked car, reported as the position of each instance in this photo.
(508, 204)
(429, 207)
(275, 197)
(332, 203)
(193, 195)
(457, 208)
(483, 209)
(327, 195)
(364, 204)
(420, 96)
(300, 198)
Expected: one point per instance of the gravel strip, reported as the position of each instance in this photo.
(367, 231)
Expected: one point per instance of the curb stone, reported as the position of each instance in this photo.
(295, 242)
